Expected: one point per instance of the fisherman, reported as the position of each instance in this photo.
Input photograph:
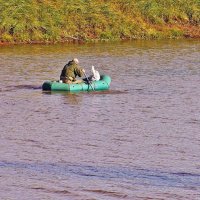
(70, 71)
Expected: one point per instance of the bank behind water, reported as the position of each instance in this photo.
(68, 21)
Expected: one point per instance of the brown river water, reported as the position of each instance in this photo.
(140, 140)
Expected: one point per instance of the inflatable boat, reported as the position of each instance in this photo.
(102, 84)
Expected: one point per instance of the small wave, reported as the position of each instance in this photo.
(34, 87)
(144, 177)
(19, 87)
(108, 193)
(194, 121)
(51, 190)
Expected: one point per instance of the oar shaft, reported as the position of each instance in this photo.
(88, 81)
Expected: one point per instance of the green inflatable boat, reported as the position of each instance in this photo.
(102, 84)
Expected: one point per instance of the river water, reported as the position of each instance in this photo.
(139, 140)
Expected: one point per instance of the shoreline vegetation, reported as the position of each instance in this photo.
(55, 21)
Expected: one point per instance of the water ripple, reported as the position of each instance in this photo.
(135, 176)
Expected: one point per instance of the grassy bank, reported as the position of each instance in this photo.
(36, 21)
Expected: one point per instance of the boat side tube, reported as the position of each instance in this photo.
(102, 84)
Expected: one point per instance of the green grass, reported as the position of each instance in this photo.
(88, 20)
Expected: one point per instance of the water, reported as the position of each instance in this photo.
(137, 141)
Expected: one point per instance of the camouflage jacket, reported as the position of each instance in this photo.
(71, 69)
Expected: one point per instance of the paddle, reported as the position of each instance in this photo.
(88, 81)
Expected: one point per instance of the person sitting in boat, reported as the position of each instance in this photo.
(95, 75)
(70, 71)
